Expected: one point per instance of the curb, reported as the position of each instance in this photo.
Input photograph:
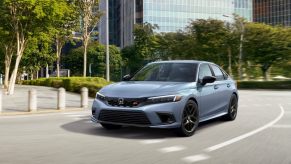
(49, 111)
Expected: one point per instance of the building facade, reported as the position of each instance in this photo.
(169, 15)
(273, 12)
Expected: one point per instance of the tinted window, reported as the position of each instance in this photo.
(204, 71)
(217, 72)
(175, 72)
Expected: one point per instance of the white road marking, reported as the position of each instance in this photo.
(152, 141)
(236, 139)
(195, 158)
(281, 126)
(171, 149)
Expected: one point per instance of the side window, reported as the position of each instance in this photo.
(217, 72)
(204, 70)
(224, 74)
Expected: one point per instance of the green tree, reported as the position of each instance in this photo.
(266, 45)
(96, 57)
(6, 49)
(90, 17)
(66, 20)
(25, 19)
(210, 39)
(37, 54)
(144, 48)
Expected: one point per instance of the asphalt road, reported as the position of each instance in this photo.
(261, 134)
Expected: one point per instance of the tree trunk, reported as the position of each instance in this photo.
(85, 58)
(13, 76)
(59, 47)
(229, 61)
(265, 69)
(21, 42)
(58, 57)
(8, 58)
(47, 71)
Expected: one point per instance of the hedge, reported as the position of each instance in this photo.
(264, 84)
(72, 84)
(94, 84)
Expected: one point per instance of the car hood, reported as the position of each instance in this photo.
(139, 89)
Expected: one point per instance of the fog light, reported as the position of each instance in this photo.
(166, 118)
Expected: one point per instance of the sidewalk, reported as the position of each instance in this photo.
(46, 99)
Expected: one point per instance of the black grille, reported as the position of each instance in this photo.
(125, 102)
(124, 117)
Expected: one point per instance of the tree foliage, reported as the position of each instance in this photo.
(96, 57)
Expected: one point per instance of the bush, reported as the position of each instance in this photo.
(72, 84)
(264, 84)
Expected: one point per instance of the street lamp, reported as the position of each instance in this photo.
(107, 41)
(240, 46)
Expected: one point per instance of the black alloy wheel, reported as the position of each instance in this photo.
(232, 109)
(190, 119)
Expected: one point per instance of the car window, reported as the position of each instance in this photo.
(204, 70)
(217, 72)
(174, 72)
(224, 74)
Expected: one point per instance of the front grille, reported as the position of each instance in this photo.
(125, 102)
(124, 117)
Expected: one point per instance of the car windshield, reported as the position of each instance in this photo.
(172, 72)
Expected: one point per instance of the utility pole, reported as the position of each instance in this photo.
(107, 41)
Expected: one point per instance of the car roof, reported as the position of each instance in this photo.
(183, 61)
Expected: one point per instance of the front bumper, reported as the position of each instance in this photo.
(152, 113)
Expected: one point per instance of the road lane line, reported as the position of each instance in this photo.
(171, 149)
(236, 139)
(195, 158)
(281, 126)
(152, 141)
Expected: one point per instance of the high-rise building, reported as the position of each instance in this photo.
(273, 12)
(169, 15)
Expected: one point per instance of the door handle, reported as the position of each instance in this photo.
(228, 85)
(216, 87)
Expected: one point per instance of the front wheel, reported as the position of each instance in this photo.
(110, 126)
(232, 109)
(190, 119)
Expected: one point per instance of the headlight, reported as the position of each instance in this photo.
(164, 99)
(101, 97)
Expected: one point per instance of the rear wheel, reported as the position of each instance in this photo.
(232, 109)
(110, 126)
(190, 120)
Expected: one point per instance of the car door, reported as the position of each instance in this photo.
(206, 92)
(222, 91)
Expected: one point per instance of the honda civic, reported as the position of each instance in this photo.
(176, 95)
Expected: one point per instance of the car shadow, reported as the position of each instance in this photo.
(84, 126)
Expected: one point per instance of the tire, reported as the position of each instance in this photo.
(190, 120)
(111, 126)
(232, 109)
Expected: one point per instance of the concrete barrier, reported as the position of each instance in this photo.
(61, 99)
(32, 100)
(84, 97)
(0, 100)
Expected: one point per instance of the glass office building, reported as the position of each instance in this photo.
(273, 12)
(169, 15)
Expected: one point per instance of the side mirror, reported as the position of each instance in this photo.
(126, 77)
(208, 79)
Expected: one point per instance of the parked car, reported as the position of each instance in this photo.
(168, 94)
